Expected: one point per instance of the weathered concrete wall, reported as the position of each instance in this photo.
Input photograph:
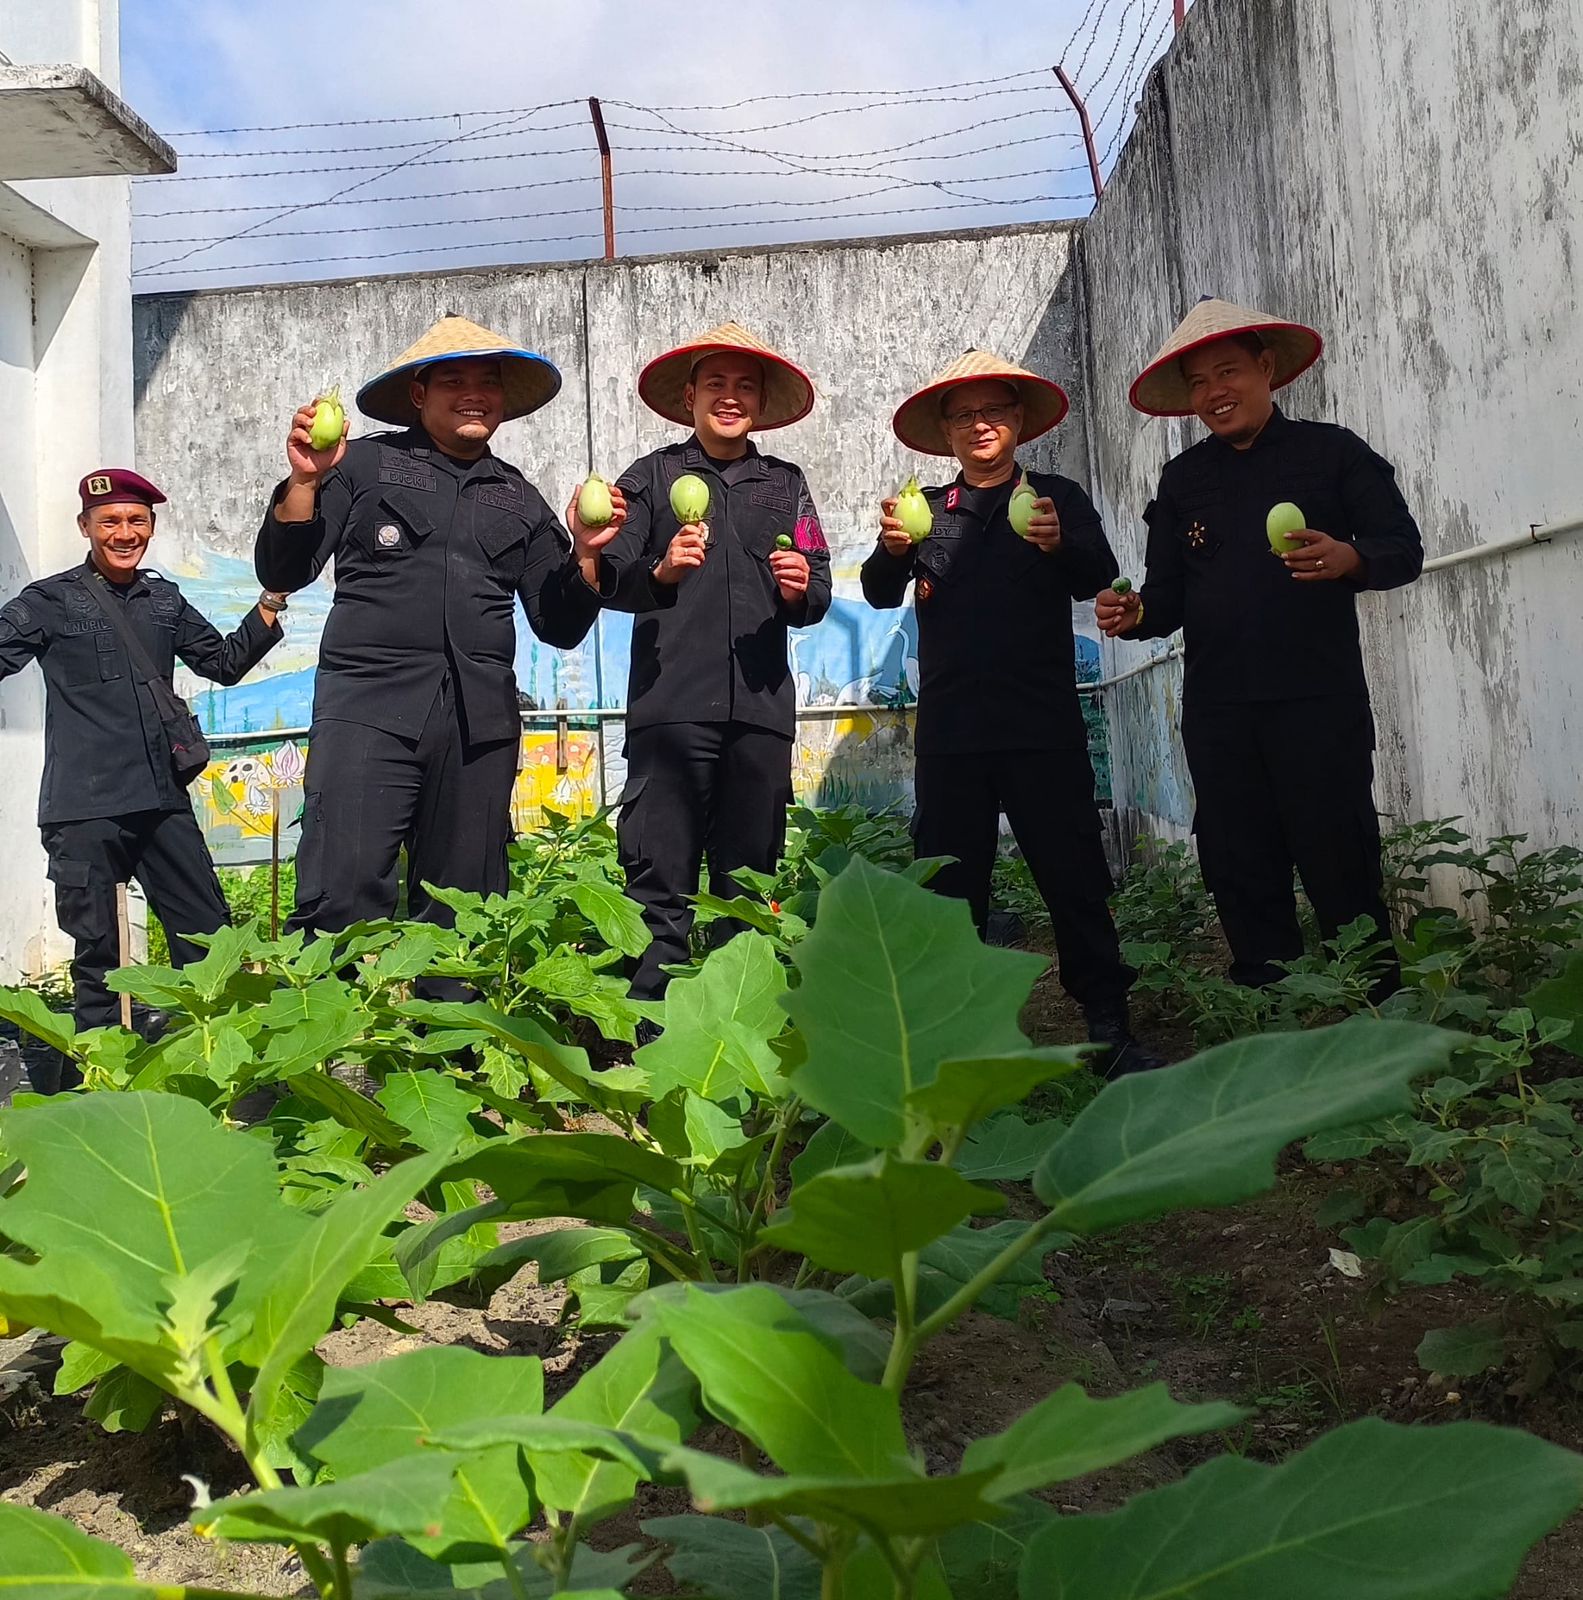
(1405, 178)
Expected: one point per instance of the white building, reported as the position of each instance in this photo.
(68, 148)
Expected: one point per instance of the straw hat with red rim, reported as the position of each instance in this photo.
(920, 426)
(788, 390)
(1161, 390)
(530, 380)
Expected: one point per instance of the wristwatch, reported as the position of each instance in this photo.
(272, 601)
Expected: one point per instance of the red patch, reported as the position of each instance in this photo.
(952, 496)
(923, 589)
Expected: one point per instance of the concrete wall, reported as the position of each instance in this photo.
(66, 400)
(1405, 178)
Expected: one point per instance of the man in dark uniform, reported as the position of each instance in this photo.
(111, 808)
(1276, 721)
(712, 706)
(1000, 729)
(416, 726)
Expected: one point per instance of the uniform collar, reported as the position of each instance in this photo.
(1272, 432)
(424, 448)
(982, 501)
(88, 572)
(750, 465)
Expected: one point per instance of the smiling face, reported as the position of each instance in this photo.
(117, 536)
(1229, 386)
(982, 422)
(461, 403)
(726, 398)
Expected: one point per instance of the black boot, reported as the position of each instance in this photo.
(1108, 1026)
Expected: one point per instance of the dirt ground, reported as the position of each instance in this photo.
(1241, 1305)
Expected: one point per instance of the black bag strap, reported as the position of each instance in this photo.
(142, 662)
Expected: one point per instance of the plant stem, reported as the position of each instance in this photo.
(904, 1283)
(343, 1574)
(903, 1351)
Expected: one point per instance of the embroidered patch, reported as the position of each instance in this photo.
(953, 496)
(923, 589)
(771, 495)
(388, 536)
(1196, 535)
(98, 484)
(408, 478)
(504, 497)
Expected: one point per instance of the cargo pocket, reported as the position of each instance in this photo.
(505, 544)
(310, 859)
(629, 831)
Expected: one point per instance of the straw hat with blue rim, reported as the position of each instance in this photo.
(530, 379)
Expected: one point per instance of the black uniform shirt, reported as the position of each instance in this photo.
(1250, 630)
(996, 660)
(105, 753)
(719, 653)
(431, 555)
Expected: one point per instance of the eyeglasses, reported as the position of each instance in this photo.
(993, 415)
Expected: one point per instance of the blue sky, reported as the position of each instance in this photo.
(484, 153)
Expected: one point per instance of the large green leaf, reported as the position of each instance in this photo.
(829, 1146)
(866, 1218)
(383, 1412)
(718, 1024)
(43, 1556)
(1370, 1512)
(640, 1386)
(617, 919)
(26, 1008)
(432, 1106)
(895, 980)
(890, 1501)
(1068, 1435)
(185, 1197)
(1561, 997)
(723, 1560)
(964, 1092)
(768, 1374)
(1004, 1147)
(406, 1497)
(298, 1306)
(1207, 1132)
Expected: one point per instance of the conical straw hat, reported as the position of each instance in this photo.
(1161, 390)
(531, 381)
(788, 390)
(920, 426)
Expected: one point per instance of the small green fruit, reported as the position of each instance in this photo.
(595, 509)
(1284, 519)
(1020, 512)
(913, 511)
(329, 421)
(1122, 586)
(784, 541)
(689, 499)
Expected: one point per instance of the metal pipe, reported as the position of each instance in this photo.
(1088, 130)
(1181, 12)
(606, 177)
(1538, 533)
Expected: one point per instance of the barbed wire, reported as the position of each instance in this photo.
(1124, 125)
(1093, 39)
(291, 211)
(582, 122)
(567, 238)
(636, 172)
(505, 111)
(1125, 87)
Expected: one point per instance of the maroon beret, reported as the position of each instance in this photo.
(116, 486)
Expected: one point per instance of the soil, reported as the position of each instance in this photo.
(1243, 1305)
